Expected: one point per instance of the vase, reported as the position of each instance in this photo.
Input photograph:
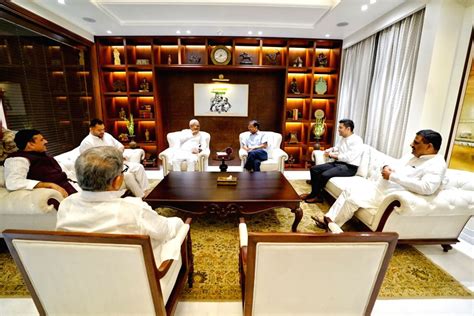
(317, 145)
(133, 144)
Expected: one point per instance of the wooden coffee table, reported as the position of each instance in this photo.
(198, 193)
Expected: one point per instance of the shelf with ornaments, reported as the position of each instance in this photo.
(247, 52)
(274, 52)
(193, 51)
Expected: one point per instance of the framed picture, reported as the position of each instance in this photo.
(221, 99)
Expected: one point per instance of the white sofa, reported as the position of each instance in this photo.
(276, 156)
(36, 209)
(174, 144)
(434, 219)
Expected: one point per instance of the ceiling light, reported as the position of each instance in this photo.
(327, 35)
(260, 32)
(373, 1)
(364, 7)
(188, 32)
(109, 32)
(249, 32)
(88, 19)
(61, 2)
(178, 32)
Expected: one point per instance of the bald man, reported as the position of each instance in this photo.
(191, 144)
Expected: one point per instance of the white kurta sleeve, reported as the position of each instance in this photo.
(117, 144)
(428, 183)
(16, 171)
(203, 143)
(85, 144)
(158, 227)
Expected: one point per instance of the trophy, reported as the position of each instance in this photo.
(319, 127)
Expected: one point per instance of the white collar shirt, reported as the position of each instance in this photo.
(349, 149)
(106, 212)
(91, 141)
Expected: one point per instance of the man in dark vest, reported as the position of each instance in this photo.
(31, 167)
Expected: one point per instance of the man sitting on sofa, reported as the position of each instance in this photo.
(135, 178)
(422, 172)
(31, 167)
(191, 144)
(99, 208)
(346, 154)
(256, 145)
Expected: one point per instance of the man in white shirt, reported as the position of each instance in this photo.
(421, 172)
(192, 143)
(135, 179)
(256, 145)
(98, 208)
(346, 154)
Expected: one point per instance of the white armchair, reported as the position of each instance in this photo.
(305, 274)
(173, 138)
(96, 274)
(276, 156)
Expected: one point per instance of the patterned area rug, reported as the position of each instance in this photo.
(216, 248)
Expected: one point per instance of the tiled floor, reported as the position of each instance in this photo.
(459, 262)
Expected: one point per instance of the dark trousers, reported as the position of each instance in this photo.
(321, 174)
(255, 158)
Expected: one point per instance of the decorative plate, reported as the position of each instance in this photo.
(321, 86)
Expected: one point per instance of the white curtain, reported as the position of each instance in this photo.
(355, 83)
(392, 82)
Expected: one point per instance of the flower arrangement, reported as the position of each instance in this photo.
(130, 125)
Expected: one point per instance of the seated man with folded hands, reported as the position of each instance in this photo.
(99, 208)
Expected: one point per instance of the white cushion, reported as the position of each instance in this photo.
(27, 201)
(363, 168)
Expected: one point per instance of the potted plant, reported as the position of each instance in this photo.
(131, 131)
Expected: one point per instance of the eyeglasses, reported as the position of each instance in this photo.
(125, 169)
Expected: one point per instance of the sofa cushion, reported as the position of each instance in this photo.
(363, 169)
(366, 215)
(336, 185)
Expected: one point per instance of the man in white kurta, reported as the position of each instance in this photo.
(135, 178)
(191, 143)
(421, 172)
(98, 207)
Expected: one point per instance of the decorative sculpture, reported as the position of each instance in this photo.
(194, 59)
(144, 86)
(298, 62)
(294, 86)
(169, 59)
(81, 58)
(293, 138)
(119, 86)
(147, 135)
(122, 114)
(322, 60)
(272, 58)
(116, 57)
(320, 86)
(245, 59)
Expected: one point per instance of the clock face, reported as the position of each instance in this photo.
(220, 55)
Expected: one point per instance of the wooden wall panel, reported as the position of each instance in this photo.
(266, 98)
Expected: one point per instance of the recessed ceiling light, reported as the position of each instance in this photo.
(188, 32)
(249, 32)
(364, 7)
(109, 32)
(178, 32)
(260, 32)
(61, 2)
(342, 24)
(88, 19)
(373, 1)
(327, 35)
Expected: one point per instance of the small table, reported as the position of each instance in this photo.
(197, 193)
(223, 167)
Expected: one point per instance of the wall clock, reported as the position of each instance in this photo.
(220, 55)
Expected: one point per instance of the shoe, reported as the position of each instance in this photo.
(319, 224)
(305, 196)
(308, 181)
(316, 199)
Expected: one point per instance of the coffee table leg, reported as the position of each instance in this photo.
(298, 216)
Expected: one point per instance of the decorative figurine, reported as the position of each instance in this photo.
(298, 62)
(194, 59)
(293, 138)
(81, 58)
(245, 59)
(294, 86)
(119, 86)
(122, 114)
(143, 61)
(116, 57)
(169, 59)
(322, 60)
(291, 160)
(272, 58)
(144, 86)
(147, 135)
(123, 137)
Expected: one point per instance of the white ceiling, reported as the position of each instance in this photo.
(273, 18)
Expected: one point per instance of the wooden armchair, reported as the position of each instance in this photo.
(99, 274)
(312, 274)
